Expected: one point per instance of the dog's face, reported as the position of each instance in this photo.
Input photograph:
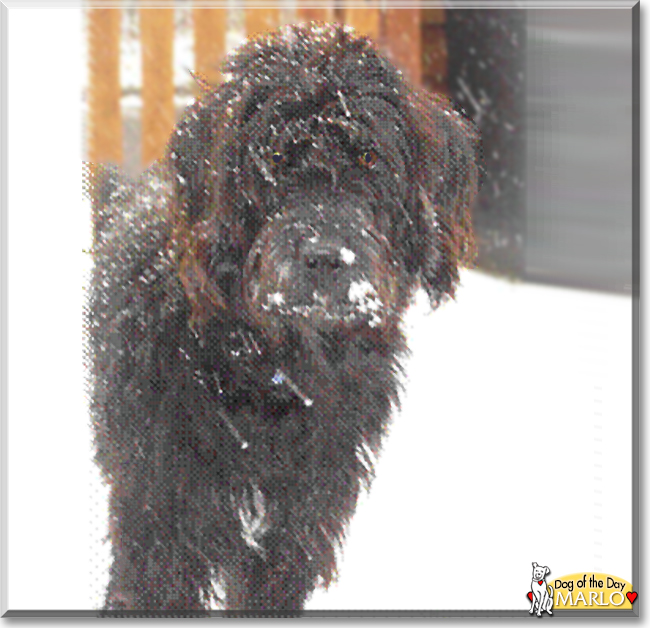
(342, 188)
(539, 572)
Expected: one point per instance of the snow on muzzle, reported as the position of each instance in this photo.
(324, 273)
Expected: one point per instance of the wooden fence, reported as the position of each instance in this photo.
(413, 38)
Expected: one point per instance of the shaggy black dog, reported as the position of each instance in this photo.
(244, 319)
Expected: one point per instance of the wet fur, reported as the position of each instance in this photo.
(236, 427)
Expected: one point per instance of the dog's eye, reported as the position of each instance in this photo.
(277, 158)
(368, 159)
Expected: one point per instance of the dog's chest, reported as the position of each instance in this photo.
(252, 509)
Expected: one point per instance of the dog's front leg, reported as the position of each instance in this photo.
(151, 570)
(275, 577)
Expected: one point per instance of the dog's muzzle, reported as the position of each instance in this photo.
(324, 265)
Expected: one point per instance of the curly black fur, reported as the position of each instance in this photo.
(244, 318)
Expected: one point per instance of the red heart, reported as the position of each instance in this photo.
(632, 595)
(540, 581)
(530, 595)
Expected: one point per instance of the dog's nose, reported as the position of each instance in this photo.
(322, 256)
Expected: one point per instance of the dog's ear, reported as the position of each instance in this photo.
(534, 565)
(189, 153)
(194, 156)
(448, 162)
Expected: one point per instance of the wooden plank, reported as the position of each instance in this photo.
(157, 36)
(209, 42)
(403, 40)
(261, 20)
(434, 53)
(366, 21)
(104, 90)
(323, 14)
(433, 16)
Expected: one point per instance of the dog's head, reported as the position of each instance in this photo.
(539, 572)
(316, 185)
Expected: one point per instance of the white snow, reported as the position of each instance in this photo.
(348, 256)
(277, 298)
(360, 290)
(513, 443)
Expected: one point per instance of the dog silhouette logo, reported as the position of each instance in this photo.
(541, 593)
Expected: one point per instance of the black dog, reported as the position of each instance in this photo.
(244, 320)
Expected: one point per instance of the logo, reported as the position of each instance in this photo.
(540, 594)
(578, 591)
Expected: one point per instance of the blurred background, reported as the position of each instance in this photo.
(551, 91)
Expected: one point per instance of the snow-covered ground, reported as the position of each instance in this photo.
(513, 446)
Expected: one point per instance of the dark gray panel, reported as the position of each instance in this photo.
(579, 148)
